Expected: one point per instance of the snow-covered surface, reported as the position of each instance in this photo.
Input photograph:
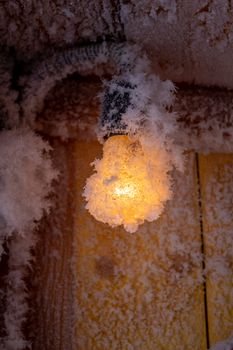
(26, 176)
(31, 28)
(217, 196)
(205, 119)
(188, 41)
(17, 308)
(224, 345)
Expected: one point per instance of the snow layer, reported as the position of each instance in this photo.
(192, 48)
(32, 27)
(26, 175)
(187, 41)
(224, 345)
(17, 308)
(217, 187)
(205, 119)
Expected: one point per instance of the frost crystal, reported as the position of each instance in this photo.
(26, 174)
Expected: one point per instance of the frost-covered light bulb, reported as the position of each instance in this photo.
(130, 185)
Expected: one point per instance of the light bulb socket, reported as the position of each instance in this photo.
(117, 100)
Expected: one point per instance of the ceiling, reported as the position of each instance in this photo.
(187, 41)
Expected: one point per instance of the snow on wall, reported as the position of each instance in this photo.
(17, 308)
(188, 41)
(205, 119)
(195, 47)
(26, 176)
(224, 345)
(74, 106)
(217, 222)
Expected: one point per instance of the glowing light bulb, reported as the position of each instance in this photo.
(130, 184)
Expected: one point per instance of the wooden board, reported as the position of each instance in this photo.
(52, 326)
(141, 290)
(216, 178)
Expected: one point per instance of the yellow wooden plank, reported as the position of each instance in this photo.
(216, 178)
(143, 290)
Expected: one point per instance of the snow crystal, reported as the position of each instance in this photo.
(31, 29)
(218, 212)
(224, 345)
(188, 41)
(17, 306)
(26, 174)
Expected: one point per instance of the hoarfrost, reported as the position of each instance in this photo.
(224, 345)
(26, 173)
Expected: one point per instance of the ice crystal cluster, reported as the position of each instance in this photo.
(26, 176)
(117, 193)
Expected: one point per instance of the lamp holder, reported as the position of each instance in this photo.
(97, 59)
(117, 99)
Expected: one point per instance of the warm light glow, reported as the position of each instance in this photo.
(126, 190)
(130, 185)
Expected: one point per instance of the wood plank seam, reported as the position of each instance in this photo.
(199, 195)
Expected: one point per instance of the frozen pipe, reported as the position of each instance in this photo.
(84, 60)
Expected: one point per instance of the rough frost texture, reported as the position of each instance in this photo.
(17, 307)
(218, 215)
(32, 27)
(147, 117)
(71, 109)
(50, 69)
(196, 45)
(117, 194)
(149, 123)
(224, 345)
(205, 119)
(188, 41)
(26, 174)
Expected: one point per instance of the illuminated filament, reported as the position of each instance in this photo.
(127, 191)
(130, 184)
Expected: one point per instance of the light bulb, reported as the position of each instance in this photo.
(130, 185)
